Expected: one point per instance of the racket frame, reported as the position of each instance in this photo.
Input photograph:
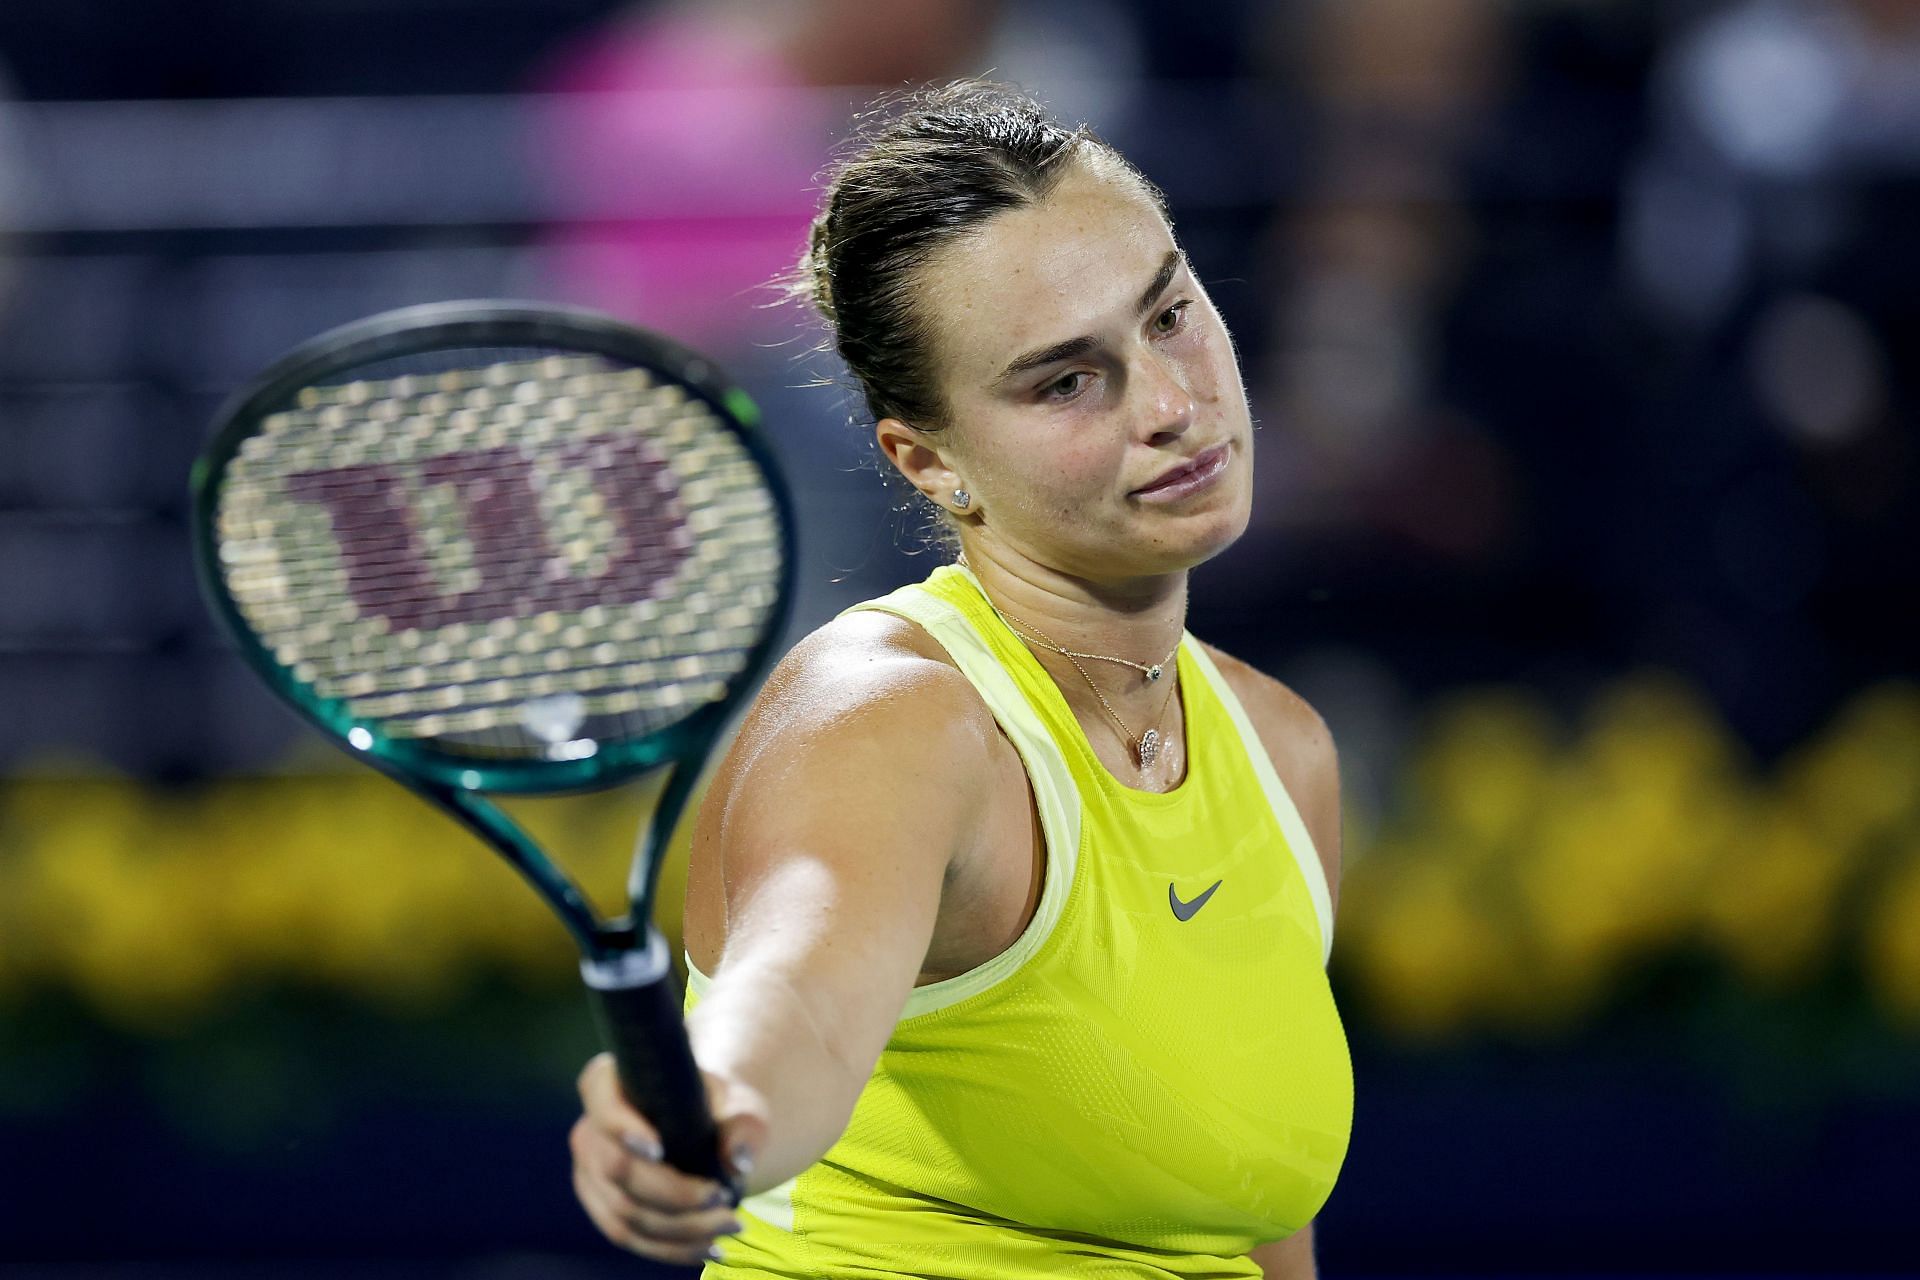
(413, 331)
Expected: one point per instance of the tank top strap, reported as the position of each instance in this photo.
(1279, 800)
(942, 607)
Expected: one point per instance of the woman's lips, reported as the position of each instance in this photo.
(1189, 477)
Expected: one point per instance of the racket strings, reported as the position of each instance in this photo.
(521, 555)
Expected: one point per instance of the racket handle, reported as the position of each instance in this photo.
(639, 1014)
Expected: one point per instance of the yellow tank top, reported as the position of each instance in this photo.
(1151, 1081)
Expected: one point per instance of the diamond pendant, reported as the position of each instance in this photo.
(1153, 673)
(1149, 748)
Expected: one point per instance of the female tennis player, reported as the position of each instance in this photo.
(1009, 907)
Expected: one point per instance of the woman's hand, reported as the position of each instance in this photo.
(636, 1199)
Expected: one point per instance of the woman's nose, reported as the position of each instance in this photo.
(1169, 405)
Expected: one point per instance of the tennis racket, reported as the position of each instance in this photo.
(512, 549)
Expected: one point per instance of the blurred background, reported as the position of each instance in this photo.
(1584, 338)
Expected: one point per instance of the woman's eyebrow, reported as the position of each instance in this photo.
(1045, 356)
(1161, 278)
(1072, 347)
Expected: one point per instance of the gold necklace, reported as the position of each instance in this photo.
(1146, 747)
(1151, 671)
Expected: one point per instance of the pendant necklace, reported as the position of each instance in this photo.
(1146, 747)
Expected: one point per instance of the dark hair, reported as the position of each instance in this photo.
(940, 164)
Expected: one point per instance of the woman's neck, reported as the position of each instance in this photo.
(1138, 619)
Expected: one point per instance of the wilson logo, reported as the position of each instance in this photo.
(394, 543)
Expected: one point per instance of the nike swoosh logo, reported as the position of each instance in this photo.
(1185, 910)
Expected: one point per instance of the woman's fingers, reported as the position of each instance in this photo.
(648, 1214)
(594, 1197)
(651, 1183)
(638, 1201)
(608, 1108)
(679, 1229)
(739, 1110)
(618, 1225)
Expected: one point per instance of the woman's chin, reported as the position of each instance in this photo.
(1190, 544)
(1132, 552)
(1199, 538)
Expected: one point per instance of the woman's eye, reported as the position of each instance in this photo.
(1065, 387)
(1169, 320)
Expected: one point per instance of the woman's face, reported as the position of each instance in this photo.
(1096, 410)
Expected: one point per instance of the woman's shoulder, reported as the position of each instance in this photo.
(873, 673)
(1274, 708)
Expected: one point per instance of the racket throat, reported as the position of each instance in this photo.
(627, 962)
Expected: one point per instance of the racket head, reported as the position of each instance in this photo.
(573, 523)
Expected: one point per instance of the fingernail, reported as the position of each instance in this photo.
(714, 1254)
(715, 1199)
(645, 1148)
(731, 1227)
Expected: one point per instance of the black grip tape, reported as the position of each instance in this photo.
(642, 1025)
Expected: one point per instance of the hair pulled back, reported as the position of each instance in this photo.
(939, 164)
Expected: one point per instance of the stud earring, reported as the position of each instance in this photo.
(962, 499)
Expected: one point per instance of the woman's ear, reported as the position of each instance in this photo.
(923, 464)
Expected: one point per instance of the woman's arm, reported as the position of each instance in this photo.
(1289, 1259)
(830, 828)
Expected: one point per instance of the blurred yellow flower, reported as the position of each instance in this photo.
(1861, 778)
(1482, 769)
(1772, 905)
(1424, 954)
(1891, 938)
